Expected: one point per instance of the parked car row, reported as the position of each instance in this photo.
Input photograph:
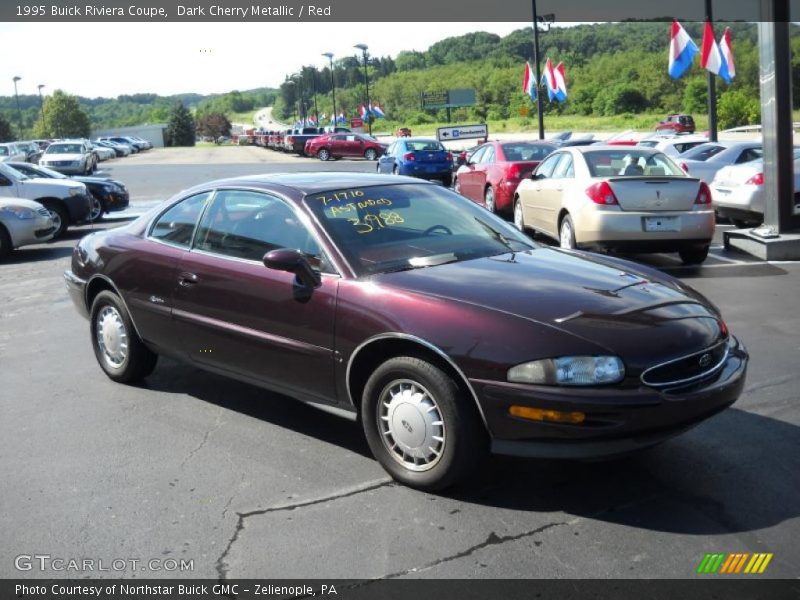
(294, 140)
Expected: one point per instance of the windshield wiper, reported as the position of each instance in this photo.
(421, 262)
(497, 235)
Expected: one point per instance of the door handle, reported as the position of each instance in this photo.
(187, 279)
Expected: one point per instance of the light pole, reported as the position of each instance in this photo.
(545, 21)
(363, 48)
(333, 88)
(19, 112)
(314, 91)
(41, 104)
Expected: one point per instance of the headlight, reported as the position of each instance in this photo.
(21, 212)
(75, 192)
(569, 370)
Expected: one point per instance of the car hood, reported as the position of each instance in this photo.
(98, 180)
(6, 201)
(53, 183)
(636, 313)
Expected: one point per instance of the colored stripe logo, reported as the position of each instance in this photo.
(735, 563)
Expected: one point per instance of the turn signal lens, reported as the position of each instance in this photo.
(757, 179)
(540, 414)
(703, 194)
(601, 193)
(449, 157)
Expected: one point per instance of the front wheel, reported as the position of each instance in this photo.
(60, 218)
(693, 255)
(370, 154)
(420, 426)
(117, 347)
(96, 210)
(324, 154)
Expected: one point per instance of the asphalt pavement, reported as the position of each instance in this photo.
(245, 483)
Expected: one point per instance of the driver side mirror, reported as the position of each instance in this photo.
(292, 261)
(537, 176)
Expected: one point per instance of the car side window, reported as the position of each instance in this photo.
(478, 155)
(547, 166)
(564, 168)
(488, 155)
(390, 149)
(749, 154)
(245, 224)
(177, 225)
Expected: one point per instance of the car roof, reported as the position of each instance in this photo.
(313, 183)
(607, 147)
(419, 139)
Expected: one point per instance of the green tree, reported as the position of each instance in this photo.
(63, 118)
(6, 135)
(181, 128)
(213, 125)
(736, 108)
(695, 96)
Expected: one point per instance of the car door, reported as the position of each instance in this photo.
(337, 145)
(481, 174)
(386, 160)
(235, 315)
(534, 195)
(466, 176)
(556, 187)
(149, 278)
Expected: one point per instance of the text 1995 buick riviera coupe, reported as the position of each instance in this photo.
(449, 332)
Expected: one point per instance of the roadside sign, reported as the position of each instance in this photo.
(462, 132)
(524, 111)
(355, 123)
(447, 98)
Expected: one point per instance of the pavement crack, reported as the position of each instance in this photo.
(217, 425)
(492, 540)
(768, 384)
(222, 566)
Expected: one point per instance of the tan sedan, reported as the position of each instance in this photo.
(621, 198)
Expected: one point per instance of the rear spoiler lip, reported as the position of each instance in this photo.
(650, 178)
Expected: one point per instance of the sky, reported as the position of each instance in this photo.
(171, 58)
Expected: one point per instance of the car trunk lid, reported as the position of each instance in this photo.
(655, 194)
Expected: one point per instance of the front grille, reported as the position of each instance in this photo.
(61, 163)
(687, 368)
(43, 211)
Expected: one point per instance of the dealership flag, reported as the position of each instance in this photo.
(728, 69)
(553, 79)
(378, 111)
(710, 57)
(681, 51)
(529, 82)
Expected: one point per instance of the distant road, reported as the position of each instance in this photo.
(264, 119)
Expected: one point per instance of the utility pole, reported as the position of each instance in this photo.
(333, 89)
(19, 112)
(363, 48)
(41, 104)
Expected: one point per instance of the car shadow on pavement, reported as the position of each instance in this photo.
(174, 377)
(38, 254)
(736, 472)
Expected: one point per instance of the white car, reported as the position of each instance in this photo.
(10, 151)
(102, 152)
(70, 157)
(705, 160)
(673, 146)
(23, 222)
(737, 192)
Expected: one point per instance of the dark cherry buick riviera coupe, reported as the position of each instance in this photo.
(449, 332)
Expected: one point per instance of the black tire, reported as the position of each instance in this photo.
(464, 442)
(139, 361)
(447, 181)
(519, 215)
(97, 209)
(324, 154)
(5, 243)
(740, 223)
(370, 154)
(61, 217)
(693, 255)
(395, 170)
(456, 186)
(568, 240)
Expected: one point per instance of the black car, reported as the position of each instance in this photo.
(108, 195)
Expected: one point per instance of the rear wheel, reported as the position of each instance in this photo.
(323, 154)
(488, 200)
(96, 211)
(740, 223)
(457, 186)
(447, 181)
(693, 255)
(419, 425)
(370, 154)
(566, 234)
(395, 170)
(117, 347)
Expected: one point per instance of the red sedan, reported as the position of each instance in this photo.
(339, 145)
(493, 172)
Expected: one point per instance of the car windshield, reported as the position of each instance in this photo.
(424, 146)
(4, 151)
(45, 172)
(11, 172)
(407, 226)
(522, 151)
(64, 149)
(630, 163)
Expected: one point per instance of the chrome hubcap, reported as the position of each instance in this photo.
(518, 216)
(323, 155)
(112, 338)
(411, 425)
(56, 219)
(489, 200)
(566, 235)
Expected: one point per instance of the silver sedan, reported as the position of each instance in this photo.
(23, 222)
(705, 160)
